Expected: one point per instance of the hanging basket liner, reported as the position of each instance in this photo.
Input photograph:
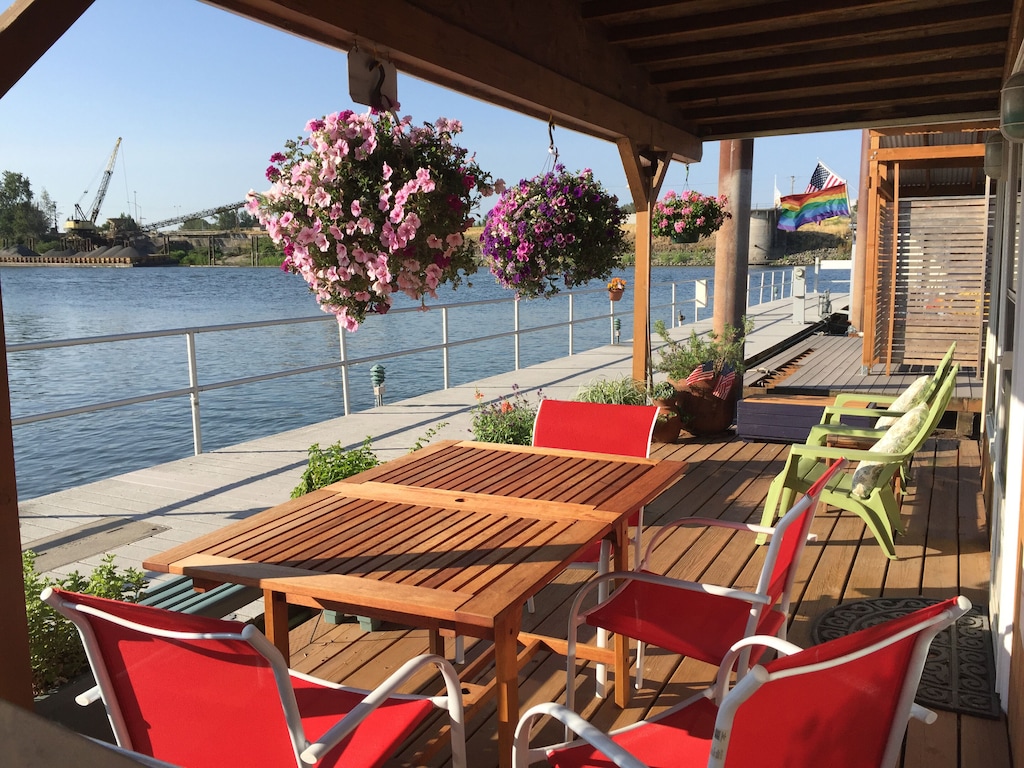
(684, 237)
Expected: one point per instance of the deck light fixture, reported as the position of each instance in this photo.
(994, 147)
(1011, 108)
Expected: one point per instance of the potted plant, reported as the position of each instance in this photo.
(616, 287)
(558, 229)
(368, 204)
(670, 423)
(624, 390)
(707, 373)
(688, 217)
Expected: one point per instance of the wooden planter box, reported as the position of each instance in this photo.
(784, 419)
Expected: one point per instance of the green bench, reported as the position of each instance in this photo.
(178, 594)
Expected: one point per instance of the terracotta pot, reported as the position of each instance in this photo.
(616, 294)
(702, 412)
(669, 424)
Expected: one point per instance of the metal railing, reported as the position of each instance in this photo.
(702, 299)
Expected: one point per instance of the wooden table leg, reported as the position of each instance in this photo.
(506, 678)
(275, 610)
(435, 643)
(620, 562)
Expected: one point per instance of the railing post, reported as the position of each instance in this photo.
(571, 317)
(444, 342)
(193, 383)
(515, 327)
(675, 313)
(344, 368)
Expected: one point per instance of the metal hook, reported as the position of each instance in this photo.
(552, 149)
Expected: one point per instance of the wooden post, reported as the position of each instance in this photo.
(16, 667)
(857, 274)
(732, 242)
(645, 172)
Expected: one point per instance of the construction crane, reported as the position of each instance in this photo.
(86, 225)
(197, 215)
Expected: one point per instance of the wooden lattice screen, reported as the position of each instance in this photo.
(940, 280)
(885, 278)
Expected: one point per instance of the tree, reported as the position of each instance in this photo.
(226, 220)
(19, 217)
(49, 209)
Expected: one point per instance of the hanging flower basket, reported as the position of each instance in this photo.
(688, 217)
(558, 229)
(368, 205)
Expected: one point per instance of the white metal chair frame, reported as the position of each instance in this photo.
(729, 700)
(758, 599)
(307, 752)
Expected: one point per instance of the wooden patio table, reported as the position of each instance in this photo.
(454, 537)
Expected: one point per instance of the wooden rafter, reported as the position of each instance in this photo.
(27, 30)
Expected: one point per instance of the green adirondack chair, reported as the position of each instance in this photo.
(871, 491)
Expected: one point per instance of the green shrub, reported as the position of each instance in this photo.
(622, 390)
(55, 647)
(506, 420)
(679, 358)
(663, 390)
(334, 463)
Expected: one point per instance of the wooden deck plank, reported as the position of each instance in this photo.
(943, 552)
(829, 365)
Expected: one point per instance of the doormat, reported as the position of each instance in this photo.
(959, 675)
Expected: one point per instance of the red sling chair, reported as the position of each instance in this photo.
(693, 619)
(196, 691)
(842, 704)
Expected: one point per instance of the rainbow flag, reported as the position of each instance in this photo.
(818, 205)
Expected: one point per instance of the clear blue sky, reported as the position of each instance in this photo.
(202, 98)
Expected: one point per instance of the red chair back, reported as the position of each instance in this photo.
(787, 545)
(844, 703)
(231, 691)
(624, 430)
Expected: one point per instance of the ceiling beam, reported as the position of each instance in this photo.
(770, 17)
(989, 42)
(958, 21)
(825, 83)
(546, 79)
(878, 116)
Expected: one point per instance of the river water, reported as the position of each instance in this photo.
(48, 303)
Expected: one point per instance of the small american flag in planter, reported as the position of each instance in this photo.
(706, 372)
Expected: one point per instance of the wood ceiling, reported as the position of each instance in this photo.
(667, 74)
(672, 73)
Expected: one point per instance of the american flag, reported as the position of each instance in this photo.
(823, 178)
(706, 372)
(725, 381)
